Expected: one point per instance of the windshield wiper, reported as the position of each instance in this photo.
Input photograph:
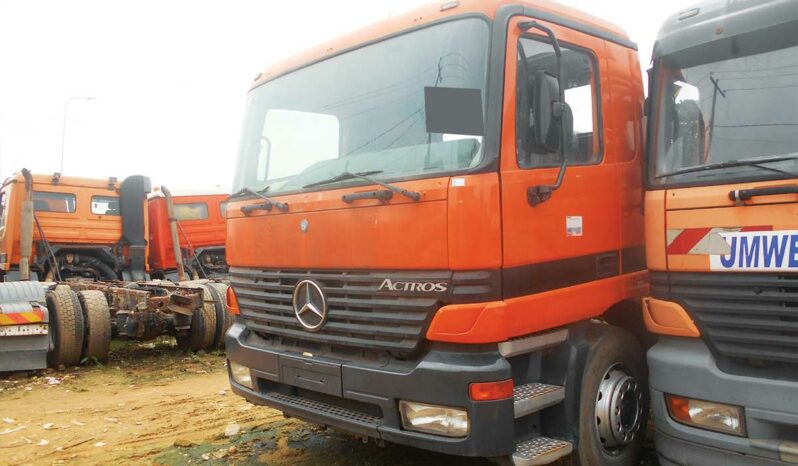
(414, 195)
(282, 206)
(341, 177)
(736, 163)
(247, 191)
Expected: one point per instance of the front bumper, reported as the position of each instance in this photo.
(686, 367)
(362, 397)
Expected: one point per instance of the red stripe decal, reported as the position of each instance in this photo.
(687, 239)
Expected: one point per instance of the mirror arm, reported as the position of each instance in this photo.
(541, 193)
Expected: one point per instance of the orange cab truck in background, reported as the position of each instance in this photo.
(722, 234)
(78, 228)
(201, 231)
(415, 261)
(86, 240)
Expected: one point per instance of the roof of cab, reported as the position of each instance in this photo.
(435, 12)
(69, 181)
(712, 20)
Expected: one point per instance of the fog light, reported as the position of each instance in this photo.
(431, 419)
(707, 415)
(241, 374)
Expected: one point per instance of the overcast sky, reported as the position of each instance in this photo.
(170, 78)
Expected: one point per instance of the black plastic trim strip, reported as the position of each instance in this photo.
(633, 259)
(546, 276)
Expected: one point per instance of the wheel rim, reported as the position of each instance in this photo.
(619, 409)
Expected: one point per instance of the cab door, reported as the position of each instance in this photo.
(573, 237)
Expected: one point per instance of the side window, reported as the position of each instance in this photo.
(63, 203)
(105, 205)
(193, 211)
(536, 61)
(3, 200)
(223, 209)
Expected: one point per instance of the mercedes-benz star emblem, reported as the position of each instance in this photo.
(310, 305)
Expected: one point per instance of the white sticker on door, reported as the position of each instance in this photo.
(573, 225)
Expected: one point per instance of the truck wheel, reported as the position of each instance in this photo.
(203, 326)
(97, 316)
(66, 327)
(224, 320)
(613, 407)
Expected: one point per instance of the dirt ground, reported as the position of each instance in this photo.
(154, 404)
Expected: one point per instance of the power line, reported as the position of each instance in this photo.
(411, 81)
(421, 109)
(762, 88)
(768, 76)
(756, 125)
(409, 127)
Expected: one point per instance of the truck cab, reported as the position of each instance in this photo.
(722, 234)
(201, 232)
(68, 227)
(436, 236)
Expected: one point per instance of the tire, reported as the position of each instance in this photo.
(615, 367)
(97, 317)
(66, 327)
(203, 325)
(224, 320)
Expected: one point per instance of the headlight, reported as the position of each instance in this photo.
(439, 420)
(241, 374)
(707, 415)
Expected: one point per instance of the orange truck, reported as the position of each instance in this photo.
(201, 232)
(85, 239)
(436, 236)
(78, 228)
(722, 234)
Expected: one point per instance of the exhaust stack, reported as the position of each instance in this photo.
(26, 227)
(170, 210)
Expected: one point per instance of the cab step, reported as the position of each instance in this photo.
(540, 450)
(533, 397)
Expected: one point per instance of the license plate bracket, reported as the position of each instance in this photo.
(319, 376)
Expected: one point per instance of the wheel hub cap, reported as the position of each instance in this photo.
(619, 408)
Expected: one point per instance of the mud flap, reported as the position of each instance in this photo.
(24, 338)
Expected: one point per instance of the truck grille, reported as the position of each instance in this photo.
(750, 319)
(360, 317)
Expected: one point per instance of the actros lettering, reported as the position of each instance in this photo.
(425, 287)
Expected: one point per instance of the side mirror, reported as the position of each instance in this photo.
(547, 112)
(553, 118)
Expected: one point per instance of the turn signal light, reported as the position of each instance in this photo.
(232, 302)
(488, 391)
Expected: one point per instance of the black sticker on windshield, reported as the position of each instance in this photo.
(452, 110)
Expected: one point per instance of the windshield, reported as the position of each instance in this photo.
(726, 102)
(364, 111)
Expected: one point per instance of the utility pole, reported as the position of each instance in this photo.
(715, 91)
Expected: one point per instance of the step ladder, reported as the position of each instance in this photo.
(531, 398)
(540, 450)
